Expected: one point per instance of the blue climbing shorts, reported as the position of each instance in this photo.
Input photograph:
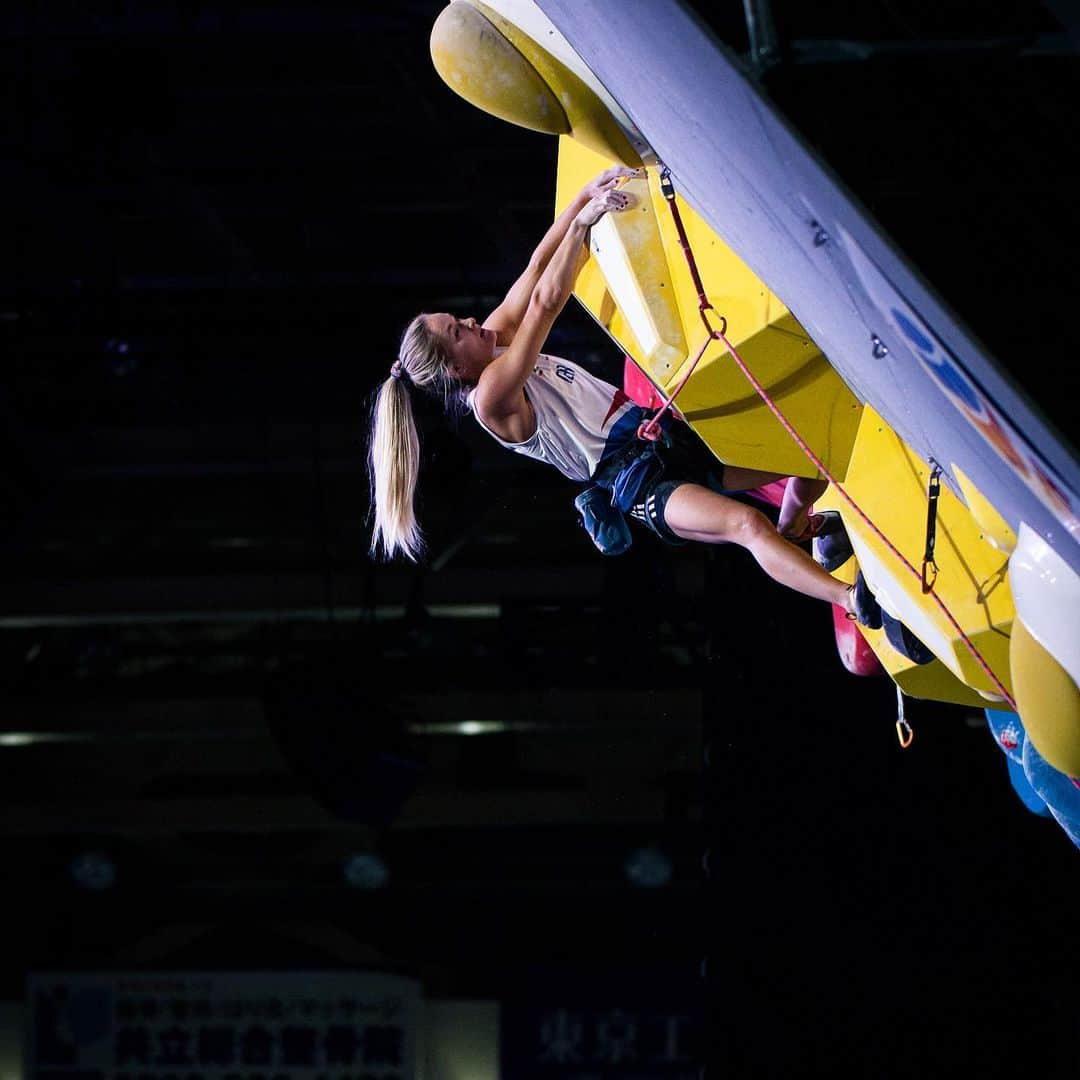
(678, 457)
(650, 510)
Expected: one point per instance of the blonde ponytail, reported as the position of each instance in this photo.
(394, 467)
(394, 444)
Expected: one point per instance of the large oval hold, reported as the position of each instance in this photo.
(477, 62)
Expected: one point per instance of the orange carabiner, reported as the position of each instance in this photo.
(904, 731)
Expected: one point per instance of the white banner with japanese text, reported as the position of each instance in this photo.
(335, 1025)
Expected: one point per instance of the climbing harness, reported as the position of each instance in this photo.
(932, 493)
(668, 191)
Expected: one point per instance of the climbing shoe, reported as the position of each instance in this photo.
(831, 546)
(605, 523)
(867, 610)
(904, 641)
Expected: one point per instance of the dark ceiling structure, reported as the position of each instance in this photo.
(220, 218)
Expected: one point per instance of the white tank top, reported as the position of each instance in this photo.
(575, 413)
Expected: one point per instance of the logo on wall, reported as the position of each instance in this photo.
(965, 394)
(978, 410)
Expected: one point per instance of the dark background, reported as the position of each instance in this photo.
(220, 217)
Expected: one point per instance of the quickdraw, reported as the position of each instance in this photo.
(904, 731)
(649, 430)
(932, 492)
(667, 189)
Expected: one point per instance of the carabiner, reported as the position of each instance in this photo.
(667, 188)
(649, 430)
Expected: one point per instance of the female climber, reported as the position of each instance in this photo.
(556, 411)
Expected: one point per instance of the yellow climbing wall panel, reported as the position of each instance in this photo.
(718, 401)
(889, 482)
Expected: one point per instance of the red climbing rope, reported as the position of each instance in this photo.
(650, 429)
(820, 465)
(719, 335)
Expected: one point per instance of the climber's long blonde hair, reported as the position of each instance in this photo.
(394, 443)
